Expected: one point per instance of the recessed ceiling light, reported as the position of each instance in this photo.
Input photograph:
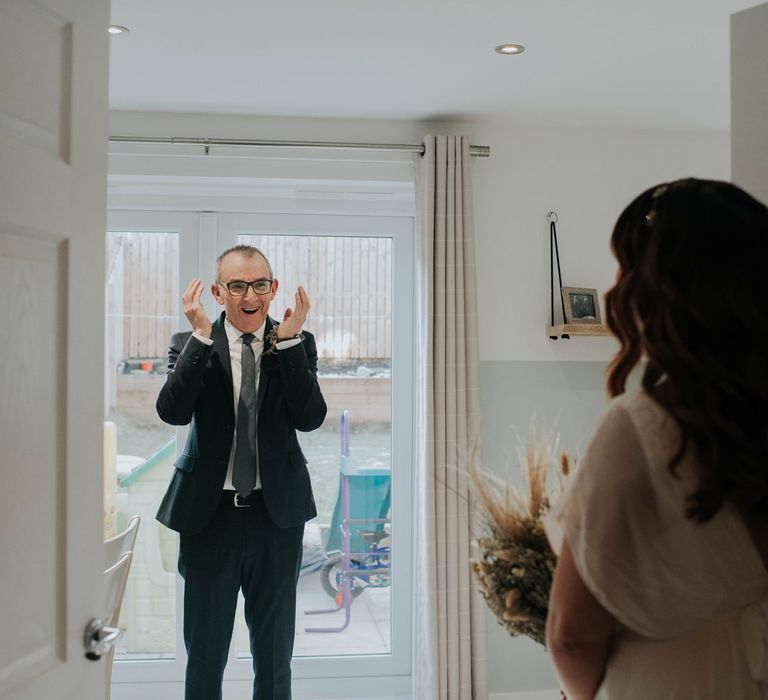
(510, 49)
(115, 29)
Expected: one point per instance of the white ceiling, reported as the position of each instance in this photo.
(614, 63)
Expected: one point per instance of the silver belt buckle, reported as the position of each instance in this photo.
(239, 505)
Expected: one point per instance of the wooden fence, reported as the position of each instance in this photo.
(142, 293)
(348, 279)
(349, 283)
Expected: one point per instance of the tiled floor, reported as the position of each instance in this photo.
(369, 626)
(368, 631)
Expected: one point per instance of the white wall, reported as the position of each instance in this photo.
(262, 163)
(749, 100)
(587, 176)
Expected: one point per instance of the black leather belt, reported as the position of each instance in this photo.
(234, 500)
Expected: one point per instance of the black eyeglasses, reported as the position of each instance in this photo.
(239, 288)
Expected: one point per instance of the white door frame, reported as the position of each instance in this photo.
(202, 236)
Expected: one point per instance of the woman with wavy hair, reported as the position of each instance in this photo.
(661, 584)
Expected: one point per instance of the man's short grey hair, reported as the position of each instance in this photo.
(248, 251)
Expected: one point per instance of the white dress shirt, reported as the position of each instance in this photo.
(235, 341)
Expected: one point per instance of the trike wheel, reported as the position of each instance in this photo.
(330, 577)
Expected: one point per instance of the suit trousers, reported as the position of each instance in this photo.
(240, 548)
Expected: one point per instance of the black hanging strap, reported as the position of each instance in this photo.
(553, 251)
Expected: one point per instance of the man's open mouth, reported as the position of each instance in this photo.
(250, 312)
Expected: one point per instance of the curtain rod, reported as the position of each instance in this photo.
(479, 151)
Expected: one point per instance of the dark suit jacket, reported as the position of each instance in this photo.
(198, 390)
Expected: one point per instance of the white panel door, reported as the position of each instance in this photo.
(53, 113)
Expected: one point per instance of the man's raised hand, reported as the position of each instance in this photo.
(294, 318)
(194, 310)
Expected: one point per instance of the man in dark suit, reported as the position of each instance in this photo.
(240, 492)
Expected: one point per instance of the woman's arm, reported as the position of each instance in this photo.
(579, 630)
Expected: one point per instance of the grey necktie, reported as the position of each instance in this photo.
(246, 450)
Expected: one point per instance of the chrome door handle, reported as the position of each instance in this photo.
(98, 639)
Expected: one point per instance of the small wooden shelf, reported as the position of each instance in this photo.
(566, 330)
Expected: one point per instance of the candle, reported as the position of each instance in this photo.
(110, 479)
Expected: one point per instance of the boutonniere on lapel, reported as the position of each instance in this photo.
(273, 338)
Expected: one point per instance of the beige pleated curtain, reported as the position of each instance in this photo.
(449, 613)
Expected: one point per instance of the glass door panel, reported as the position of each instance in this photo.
(349, 282)
(146, 256)
(348, 266)
(142, 282)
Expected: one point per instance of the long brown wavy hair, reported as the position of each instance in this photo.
(691, 298)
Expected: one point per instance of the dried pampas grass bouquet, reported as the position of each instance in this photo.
(514, 571)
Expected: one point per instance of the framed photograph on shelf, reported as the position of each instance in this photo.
(582, 305)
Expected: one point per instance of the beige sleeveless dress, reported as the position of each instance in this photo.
(691, 599)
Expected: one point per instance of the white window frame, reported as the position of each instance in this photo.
(202, 235)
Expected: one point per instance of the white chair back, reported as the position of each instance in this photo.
(117, 546)
(118, 555)
(116, 577)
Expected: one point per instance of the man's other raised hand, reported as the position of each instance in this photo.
(294, 318)
(194, 310)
